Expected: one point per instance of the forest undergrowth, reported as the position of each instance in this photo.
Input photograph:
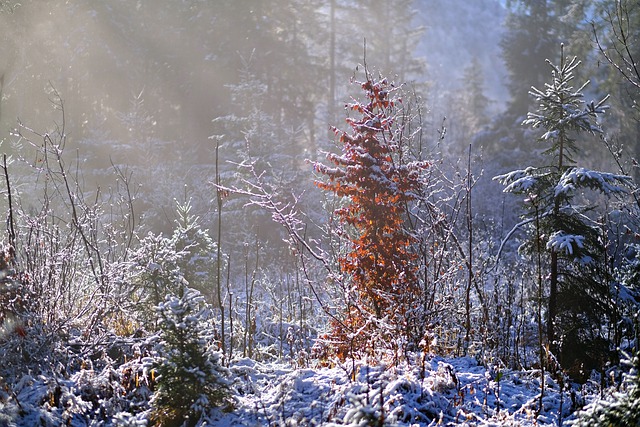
(399, 307)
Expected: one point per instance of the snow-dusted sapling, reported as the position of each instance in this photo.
(560, 201)
(621, 408)
(190, 378)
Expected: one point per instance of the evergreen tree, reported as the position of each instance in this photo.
(534, 28)
(470, 105)
(190, 377)
(578, 288)
(198, 250)
(622, 408)
(386, 34)
(249, 135)
(160, 265)
(476, 101)
(276, 36)
(391, 37)
(155, 273)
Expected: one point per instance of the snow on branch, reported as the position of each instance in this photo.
(562, 242)
(284, 213)
(605, 182)
(519, 181)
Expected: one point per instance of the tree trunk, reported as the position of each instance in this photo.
(553, 301)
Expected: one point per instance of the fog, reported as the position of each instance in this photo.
(144, 85)
(102, 56)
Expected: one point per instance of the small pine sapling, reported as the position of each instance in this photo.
(190, 379)
(578, 288)
(199, 252)
(155, 273)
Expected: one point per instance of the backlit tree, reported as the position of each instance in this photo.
(560, 197)
(378, 266)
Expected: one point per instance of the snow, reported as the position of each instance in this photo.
(607, 183)
(519, 181)
(432, 390)
(449, 391)
(562, 242)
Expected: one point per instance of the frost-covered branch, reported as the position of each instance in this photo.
(621, 38)
(284, 213)
(607, 183)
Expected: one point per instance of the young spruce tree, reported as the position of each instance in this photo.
(622, 408)
(578, 287)
(190, 377)
(198, 250)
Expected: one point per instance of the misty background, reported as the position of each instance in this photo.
(150, 87)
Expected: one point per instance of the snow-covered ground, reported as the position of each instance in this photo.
(455, 391)
(435, 391)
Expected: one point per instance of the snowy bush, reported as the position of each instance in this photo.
(27, 344)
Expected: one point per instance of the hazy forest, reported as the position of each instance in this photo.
(308, 212)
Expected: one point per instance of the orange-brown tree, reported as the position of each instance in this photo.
(379, 266)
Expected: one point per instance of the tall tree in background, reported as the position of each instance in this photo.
(578, 289)
(470, 105)
(378, 265)
(616, 29)
(391, 36)
(534, 29)
(386, 30)
(281, 38)
(250, 135)
(476, 101)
